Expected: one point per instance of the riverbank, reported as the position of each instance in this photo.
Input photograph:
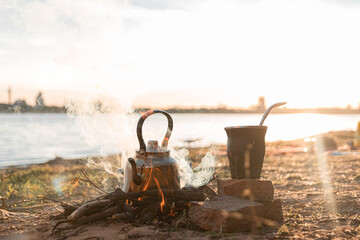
(22, 107)
(319, 193)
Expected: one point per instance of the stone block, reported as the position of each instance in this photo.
(252, 189)
(273, 210)
(227, 214)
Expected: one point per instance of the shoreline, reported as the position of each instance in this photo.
(216, 111)
(58, 161)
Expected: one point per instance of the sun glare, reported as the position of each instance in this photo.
(199, 59)
(326, 182)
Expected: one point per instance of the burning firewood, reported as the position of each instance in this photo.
(140, 207)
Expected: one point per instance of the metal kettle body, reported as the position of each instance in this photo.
(153, 167)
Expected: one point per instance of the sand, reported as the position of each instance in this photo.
(319, 192)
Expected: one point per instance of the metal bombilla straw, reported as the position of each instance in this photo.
(268, 111)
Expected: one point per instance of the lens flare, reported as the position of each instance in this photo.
(325, 177)
(57, 184)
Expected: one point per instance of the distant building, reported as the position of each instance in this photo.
(261, 104)
(39, 101)
(20, 105)
(9, 95)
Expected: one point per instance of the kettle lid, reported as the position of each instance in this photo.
(153, 147)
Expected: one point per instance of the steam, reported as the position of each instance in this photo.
(108, 124)
(198, 176)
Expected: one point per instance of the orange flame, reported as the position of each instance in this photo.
(169, 173)
(148, 181)
(162, 204)
(172, 210)
(146, 184)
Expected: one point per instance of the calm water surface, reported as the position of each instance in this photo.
(36, 138)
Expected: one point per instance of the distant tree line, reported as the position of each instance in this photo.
(20, 106)
(251, 111)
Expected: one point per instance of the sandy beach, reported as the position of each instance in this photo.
(319, 194)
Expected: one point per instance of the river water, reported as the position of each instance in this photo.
(36, 138)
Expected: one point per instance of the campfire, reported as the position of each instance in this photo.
(153, 194)
(160, 206)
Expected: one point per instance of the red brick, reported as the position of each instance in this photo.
(252, 189)
(228, 213)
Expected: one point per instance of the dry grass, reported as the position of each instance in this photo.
(29, 186)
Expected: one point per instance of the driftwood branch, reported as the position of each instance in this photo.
(86, 176)
(58, 224)
(98, 216)
(88, 209)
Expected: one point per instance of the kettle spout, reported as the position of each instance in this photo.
(137, 179)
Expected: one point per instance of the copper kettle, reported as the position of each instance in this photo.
(153, 167)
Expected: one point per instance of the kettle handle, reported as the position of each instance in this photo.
(139, 129)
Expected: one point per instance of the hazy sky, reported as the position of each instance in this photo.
(182, 52)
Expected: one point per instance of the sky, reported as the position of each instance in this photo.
(163, 53)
